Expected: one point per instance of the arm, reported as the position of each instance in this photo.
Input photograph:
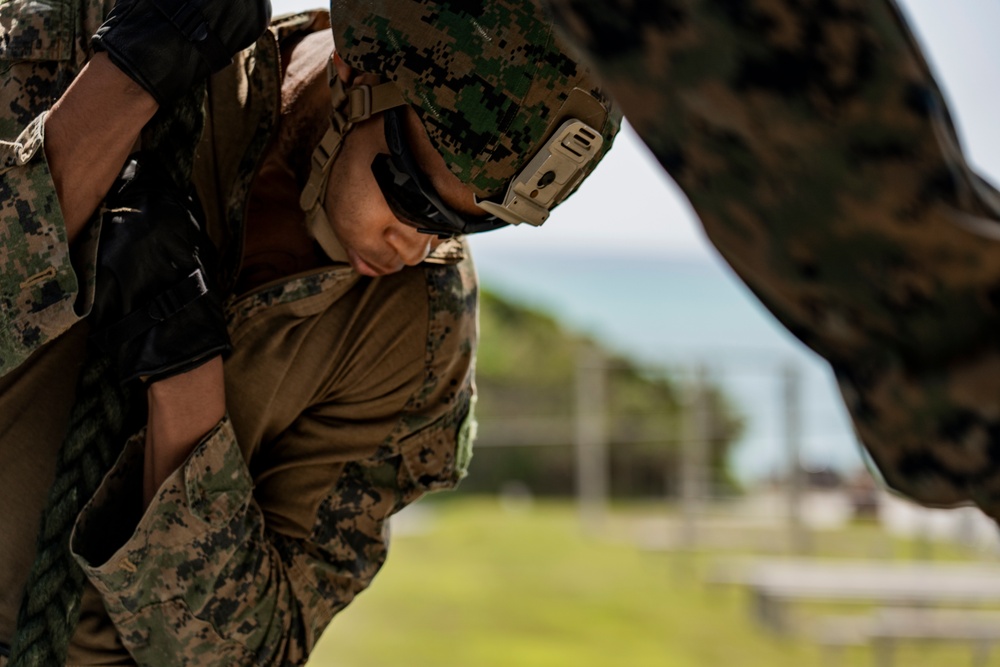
(182, 409)
(44, 287)
(219, 566)
(53, 176)
(85, 145)
(156, 313)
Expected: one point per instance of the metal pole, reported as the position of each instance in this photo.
(591, 435)
(791, 400)
(696, 425)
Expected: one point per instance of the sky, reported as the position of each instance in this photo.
(629, 206)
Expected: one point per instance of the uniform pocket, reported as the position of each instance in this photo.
(438, 456)
(36, 29)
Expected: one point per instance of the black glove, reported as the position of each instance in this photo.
(156, 310)
(168, 46)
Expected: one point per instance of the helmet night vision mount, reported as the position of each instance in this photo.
(550, 176)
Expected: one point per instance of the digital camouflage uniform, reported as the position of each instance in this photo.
(348, 397)
(818, 152)
(488, 97)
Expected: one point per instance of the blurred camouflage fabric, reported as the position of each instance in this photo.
(816, 148)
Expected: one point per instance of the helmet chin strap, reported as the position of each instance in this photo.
(349, 106)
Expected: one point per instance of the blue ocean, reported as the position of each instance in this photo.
(684, 312)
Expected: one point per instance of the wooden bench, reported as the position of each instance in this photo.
(890, 625)
(775, 585)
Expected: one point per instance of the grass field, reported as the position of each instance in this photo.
(483, 587)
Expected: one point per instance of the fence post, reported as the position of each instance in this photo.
(696, 420)
(791, 401)
(591, 436)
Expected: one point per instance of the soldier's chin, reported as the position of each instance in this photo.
(364, 268)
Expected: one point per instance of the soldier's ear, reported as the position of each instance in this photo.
(343, 69)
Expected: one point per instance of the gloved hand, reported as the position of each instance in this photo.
(168, 46)
(156, 310)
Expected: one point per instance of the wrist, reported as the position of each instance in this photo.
(207, 378)
(120, 85)
(188, 405)
(183, 409)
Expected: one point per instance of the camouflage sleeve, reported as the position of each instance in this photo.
(40, 292)
(206, 573)
(202, 574)
(42, 47)
(819, 154)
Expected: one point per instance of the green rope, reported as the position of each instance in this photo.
(51, 604)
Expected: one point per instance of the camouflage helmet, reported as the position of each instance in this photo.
(490, 81)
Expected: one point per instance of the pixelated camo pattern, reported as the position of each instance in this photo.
(486, 78)
(181, 586)
(453, 295)
(241, 309)
(38, 285)
(40, 53)
(816, 148)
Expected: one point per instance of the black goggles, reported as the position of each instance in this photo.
(409, 192)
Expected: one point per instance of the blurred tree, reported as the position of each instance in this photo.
(526, 370)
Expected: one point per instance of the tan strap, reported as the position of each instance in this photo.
(319, 228)
(322, 159)
(361, 102)
(365, 101)
(347, 107)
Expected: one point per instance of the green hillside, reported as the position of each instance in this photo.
(526, 375)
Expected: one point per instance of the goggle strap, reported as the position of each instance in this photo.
(319, 228)
(361, 102)
(322, 159)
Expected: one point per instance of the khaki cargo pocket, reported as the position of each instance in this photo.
(36, 29)
(438, 456)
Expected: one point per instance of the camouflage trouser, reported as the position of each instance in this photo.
(819, 154)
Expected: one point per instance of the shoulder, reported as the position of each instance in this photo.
(452, 295)
(452, 307)
(435, 429)
(449, 328)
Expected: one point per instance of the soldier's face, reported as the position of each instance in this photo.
(377, 243)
